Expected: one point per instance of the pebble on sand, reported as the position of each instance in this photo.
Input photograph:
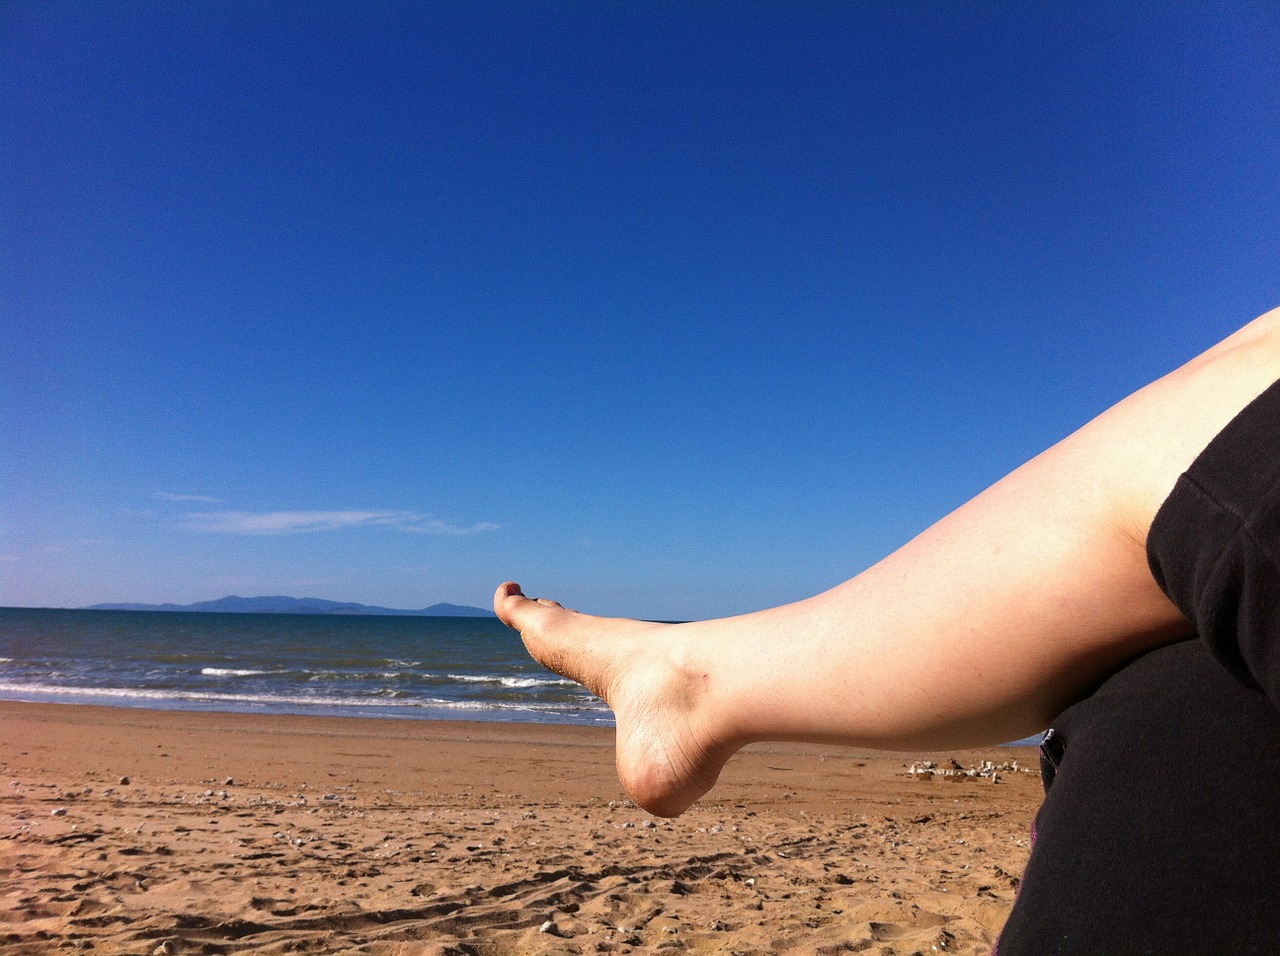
(551, 929)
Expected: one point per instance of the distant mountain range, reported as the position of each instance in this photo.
(290, 605)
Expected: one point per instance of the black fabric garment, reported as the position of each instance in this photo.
(1160, 830)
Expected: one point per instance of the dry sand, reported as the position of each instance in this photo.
(267, 834)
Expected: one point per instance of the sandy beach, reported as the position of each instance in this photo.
(140, 832)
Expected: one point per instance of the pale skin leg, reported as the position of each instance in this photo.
(979, 630)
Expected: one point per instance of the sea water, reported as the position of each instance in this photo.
(435, 668)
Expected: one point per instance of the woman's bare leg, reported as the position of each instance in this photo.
(979, 630)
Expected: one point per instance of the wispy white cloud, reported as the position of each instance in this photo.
(296, 522)
(436, 526)
(285, 522)
(199, 499)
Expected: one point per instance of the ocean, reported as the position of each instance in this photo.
(429, 668)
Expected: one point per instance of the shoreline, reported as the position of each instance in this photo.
(256, 833)
(434, 712)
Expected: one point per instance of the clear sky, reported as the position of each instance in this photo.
(664, 309)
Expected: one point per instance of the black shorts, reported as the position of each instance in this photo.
(1160, 830)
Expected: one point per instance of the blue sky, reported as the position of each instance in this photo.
(663, 309)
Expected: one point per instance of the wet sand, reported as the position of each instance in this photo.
(140, 832)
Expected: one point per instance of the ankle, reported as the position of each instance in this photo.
(698, 681)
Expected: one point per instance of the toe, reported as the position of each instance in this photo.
(506, 601)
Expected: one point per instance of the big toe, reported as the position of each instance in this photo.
(507, 600)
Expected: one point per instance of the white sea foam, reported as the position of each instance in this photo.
(122, 693)
(513, 682)
(229, 672)
(359, 675)
(299, 703)
(522, 682)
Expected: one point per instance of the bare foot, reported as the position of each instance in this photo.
(671, 744)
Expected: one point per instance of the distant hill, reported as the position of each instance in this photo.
(280, 604)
